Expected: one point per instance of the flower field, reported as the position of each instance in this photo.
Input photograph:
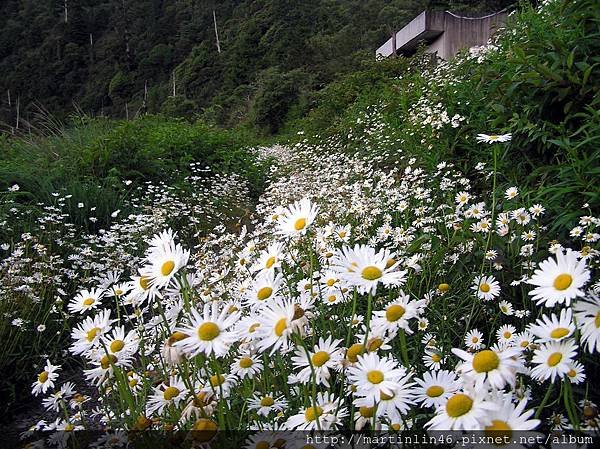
(366, 289)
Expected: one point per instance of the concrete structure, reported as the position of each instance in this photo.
(443, 32)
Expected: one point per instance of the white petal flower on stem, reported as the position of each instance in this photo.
(297, 218)
(364, 268)
(208, 332)
(559, 280)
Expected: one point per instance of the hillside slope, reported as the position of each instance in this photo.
(101, 54)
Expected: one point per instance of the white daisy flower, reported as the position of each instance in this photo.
(576, 373)
(494, 138)
(474, 339)
(297, 218)
(265, 404)
(553, 328)
(163, 263)
(468, 409)
(326, 356)
(269, 259)
(324, 414)
(559, 281)
(498, 366)
(45, 379)
(275, 325)
(373, 375)
(246, 365)
(486, 287)
(435, 388)
(209, 332)
(587, 314)
(506, 334)
(166, 395)
(86, 300)
(506, 308)
(553, 359)
(510, 417)
(364, 268)
(397, 315)
(265, 287)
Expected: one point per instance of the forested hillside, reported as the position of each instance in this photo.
(105, 57)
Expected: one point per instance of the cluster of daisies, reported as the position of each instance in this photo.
(367, 299)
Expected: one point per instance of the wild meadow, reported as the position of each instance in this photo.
(419, 254)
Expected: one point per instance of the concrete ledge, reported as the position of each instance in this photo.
(444, 32)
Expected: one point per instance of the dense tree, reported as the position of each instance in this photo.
(112, 53)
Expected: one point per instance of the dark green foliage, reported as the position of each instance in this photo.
(92, 160)
(542, 87)
(107, 51)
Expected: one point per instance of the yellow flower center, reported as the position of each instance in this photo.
(320, 358)
(69, 427)
(204, 430)
(145, 282)
(267, 401)
(375, 376)
(367, 412)
(88, 301)
(117, 345)
(524, 343)
(559, 332)
(486, 360)
(597, 320)
(390, 263)
(434, 391)
(354, 351)
(167, 268)
(208, 331)
(270, 262)
(330, 282)
(43, 376)
(458, 405)
(331, 298)
(253, 328)
(563, 281)
(280, 327)
(507, 334)
(170, 393)
(312, 413)
(216, 380)
(394, 312)
(498, 428)
(436, 358)
(484, 287)
(386, 397)
(246, 362)
(374, 344)
(443, 287)
(371, 273)
(107, 360)
(91, 334)
(554, 359)
(177, 336)
(474, 339)
(264, 293)
(133, 383)
(572, 373)
(300, 224)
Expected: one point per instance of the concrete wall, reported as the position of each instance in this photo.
(444, 32)
(460, 33)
